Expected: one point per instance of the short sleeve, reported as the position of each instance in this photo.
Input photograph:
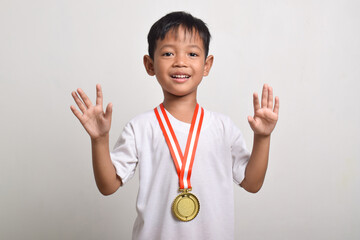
(124, 155)
(240, 155)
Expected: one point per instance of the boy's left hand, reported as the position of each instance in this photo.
(265, 116)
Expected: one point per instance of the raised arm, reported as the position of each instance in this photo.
(262, 123)
(97, 124)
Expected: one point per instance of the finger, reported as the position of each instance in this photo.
(76, 112)
(251, 121)
(78, 102)
(270, 98)
(277, 105)
(256, 102)
(264, 96)
(99, 95)
(108, 112)
(85, 98)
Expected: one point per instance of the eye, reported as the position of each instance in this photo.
(193, 54)
(167, 54)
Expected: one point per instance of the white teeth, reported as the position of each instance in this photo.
(180, 76)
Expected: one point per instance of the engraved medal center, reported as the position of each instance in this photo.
(186, 206)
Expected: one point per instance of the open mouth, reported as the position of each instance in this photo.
(182, 76)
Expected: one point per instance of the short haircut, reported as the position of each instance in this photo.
(173, 21)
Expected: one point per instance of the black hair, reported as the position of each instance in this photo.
(173, 21)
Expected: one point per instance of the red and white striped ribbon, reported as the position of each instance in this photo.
(183, 162)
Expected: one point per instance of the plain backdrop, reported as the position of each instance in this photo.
(309, 51)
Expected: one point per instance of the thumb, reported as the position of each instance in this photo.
(108, 112)
(251, 121)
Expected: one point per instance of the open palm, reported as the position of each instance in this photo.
(265, 116)
(92, 117)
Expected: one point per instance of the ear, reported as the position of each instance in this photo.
(208, 63)
(149, 65)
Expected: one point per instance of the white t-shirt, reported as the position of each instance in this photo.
(220, 160)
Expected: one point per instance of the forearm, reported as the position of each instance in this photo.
(106, 178)
(257, 166)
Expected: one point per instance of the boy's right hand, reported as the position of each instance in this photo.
(94, 120)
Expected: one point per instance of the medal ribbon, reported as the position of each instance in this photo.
(183, 163)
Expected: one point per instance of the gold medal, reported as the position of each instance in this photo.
(186, 206)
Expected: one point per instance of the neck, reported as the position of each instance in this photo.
(182, 108)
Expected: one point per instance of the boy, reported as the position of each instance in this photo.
(179, 145)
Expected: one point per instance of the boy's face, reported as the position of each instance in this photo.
(179, 63)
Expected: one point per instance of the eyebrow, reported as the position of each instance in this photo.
(190, 46)
(195, 46)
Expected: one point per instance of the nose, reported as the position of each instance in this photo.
(180, 60)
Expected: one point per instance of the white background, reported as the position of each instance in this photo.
(309, 51)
